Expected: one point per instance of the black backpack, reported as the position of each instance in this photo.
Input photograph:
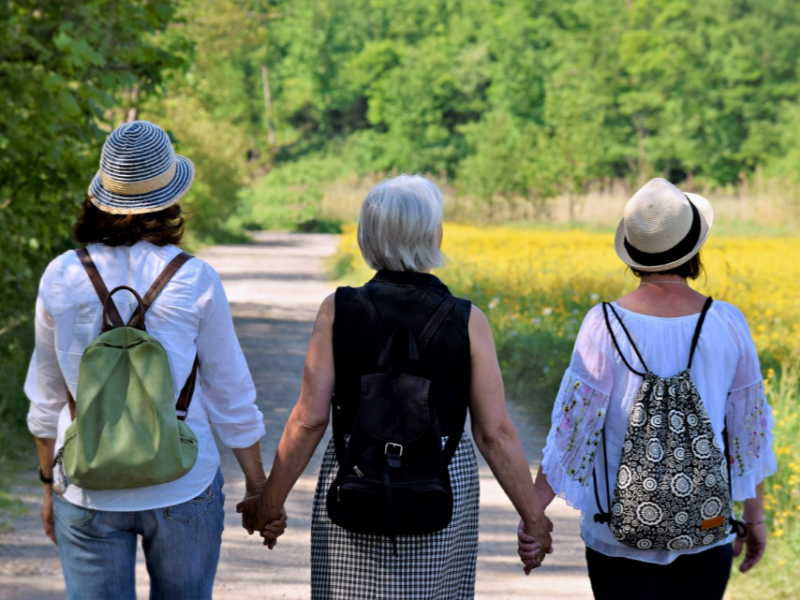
(393, 478)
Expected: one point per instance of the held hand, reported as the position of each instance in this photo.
(47, 514)
(257, 515)
(534, 542)
(756, 542)
(274, 530)
(249, 506)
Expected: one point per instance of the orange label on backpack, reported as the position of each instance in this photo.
(713, 522)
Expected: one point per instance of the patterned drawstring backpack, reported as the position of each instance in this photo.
(673, 489)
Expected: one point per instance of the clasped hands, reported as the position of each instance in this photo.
(258, 515)
(534, 542)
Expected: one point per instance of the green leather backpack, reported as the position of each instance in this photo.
(127, 430)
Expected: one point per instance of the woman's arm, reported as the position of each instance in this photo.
(756, 538)
(252, 466)
(46, 448)
(543, 490)
(306, 425)
(47, 391)
(496, 437)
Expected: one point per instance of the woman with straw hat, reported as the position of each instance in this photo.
(131, 225)
(662, 394)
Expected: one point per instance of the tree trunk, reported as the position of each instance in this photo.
(268, 106)
(133, 110)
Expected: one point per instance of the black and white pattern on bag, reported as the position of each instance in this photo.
(672, 486)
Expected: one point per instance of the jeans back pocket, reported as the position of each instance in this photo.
(190, 511)
(70, 514)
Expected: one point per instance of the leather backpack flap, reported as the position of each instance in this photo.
(394, 402)
(394, 407)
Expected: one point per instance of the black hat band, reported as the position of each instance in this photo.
(678, 251)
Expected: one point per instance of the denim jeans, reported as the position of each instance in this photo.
(181, 546)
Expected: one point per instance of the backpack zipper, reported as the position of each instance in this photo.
(61, 485)
(430, 486)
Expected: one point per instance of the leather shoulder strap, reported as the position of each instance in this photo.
(436, 320)
(162, 280)
(99, 286)
(185, 397)
(372, 317)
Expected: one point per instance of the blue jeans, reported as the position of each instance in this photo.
(181, 546)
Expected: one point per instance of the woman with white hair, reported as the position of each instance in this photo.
(400, 362)
(661, 421)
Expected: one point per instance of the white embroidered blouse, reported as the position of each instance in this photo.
(598, 391)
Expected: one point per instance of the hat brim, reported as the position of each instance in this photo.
(156, 200)
(706, 221)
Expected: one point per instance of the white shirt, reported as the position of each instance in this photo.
(598, 391)
(190, 316)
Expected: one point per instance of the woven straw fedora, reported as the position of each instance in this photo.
(663, 227)
(139, 171)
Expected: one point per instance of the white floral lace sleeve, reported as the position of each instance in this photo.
(579, 413)
(577, 424)
(749, 421)
(748, 418)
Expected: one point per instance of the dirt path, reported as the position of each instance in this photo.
(275, 286)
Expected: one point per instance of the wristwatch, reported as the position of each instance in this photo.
(44, 479)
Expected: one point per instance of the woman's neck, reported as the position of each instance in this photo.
(660, 295)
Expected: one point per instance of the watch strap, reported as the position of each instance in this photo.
(43, 479)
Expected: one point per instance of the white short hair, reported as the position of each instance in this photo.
(398, 229)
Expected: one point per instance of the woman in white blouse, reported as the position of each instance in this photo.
(659, 238)
(131, 225)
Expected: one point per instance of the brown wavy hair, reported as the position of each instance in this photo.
(161, 228)
(691, 269)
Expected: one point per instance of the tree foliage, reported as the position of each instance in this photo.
(62, 65)
(513, 97)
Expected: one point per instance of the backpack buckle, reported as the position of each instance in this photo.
(393, 453)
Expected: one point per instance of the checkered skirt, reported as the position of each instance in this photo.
(434, 566)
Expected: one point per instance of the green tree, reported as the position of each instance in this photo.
(62, 66)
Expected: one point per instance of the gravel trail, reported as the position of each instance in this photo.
(275, 286)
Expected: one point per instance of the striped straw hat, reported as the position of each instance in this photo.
(139, 171)
(663, 227)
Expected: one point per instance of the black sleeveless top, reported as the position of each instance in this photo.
(402, 299)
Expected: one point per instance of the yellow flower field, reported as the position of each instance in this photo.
(544, 280)
(535, 285)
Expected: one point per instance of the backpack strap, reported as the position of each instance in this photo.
(161, 281)
(100, 287)
(372, 316)
(602, 516)
(696, 337)
(436, 320)
(738, 526)
(606, 306)
(433, 325)
(185, 397)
